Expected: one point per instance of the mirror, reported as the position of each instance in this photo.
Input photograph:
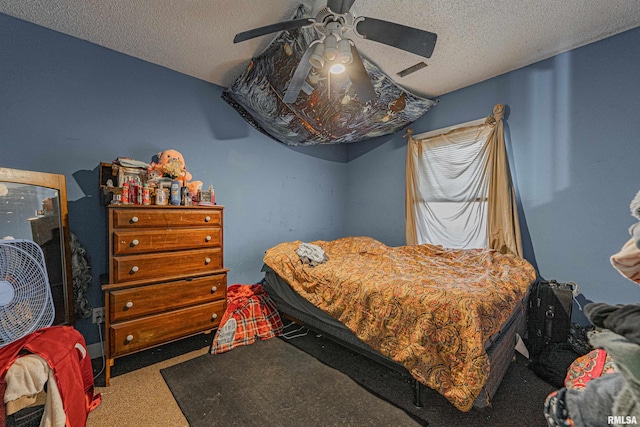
(33, 205)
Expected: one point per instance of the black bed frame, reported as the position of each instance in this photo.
(501, 350)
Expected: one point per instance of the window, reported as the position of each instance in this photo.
(459, 192)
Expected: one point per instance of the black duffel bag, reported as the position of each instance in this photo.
(549, 315)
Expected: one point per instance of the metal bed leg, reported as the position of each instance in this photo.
(416, 394)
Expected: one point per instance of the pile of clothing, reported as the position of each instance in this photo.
(607, 396)
(49, 367)
(311, 254)
(597, 395)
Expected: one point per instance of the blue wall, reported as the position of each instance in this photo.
(66, 105)
(573, 130)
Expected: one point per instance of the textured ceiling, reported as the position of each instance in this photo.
(477, 40)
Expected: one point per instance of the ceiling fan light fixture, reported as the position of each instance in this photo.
(337, 68)
(344, 51)
(317, 57)
(331, 47)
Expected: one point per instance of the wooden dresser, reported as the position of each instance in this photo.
(166, 276)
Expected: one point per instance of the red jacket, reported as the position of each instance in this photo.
(71, 367)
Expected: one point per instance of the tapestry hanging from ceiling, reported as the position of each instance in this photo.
(327, 110)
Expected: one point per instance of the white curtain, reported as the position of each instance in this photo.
(459, 192)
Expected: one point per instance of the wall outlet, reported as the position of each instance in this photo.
(98, 315)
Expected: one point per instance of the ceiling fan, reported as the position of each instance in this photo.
(337, 53)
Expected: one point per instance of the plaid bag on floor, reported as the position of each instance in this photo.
(250, 315)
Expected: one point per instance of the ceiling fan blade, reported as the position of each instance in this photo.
(299, 76)
(340, 6)
(280, 26)
(360, 78)
(406, 38)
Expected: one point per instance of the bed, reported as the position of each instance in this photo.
(447, 317)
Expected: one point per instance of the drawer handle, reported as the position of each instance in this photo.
(129, 338)
(207, 218)
(214, 316)
(134, 220)
(128, 305)
(134, 269)
(208, 238)
(213, 289)
(207, 260)
(135, 242)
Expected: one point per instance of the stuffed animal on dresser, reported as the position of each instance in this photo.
(171, 164)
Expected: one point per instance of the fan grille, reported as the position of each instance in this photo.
(26, 296)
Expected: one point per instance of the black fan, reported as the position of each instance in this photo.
(334, 51)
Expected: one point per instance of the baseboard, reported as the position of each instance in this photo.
(95, 350)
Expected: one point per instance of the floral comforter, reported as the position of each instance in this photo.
(428, 308)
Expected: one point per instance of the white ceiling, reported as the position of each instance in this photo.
(477, 39)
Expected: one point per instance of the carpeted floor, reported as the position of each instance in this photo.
(138, 395)
(274, 383)
(518, 401)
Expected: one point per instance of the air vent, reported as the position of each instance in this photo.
(412, 69)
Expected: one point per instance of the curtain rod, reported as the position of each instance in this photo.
(443, 131)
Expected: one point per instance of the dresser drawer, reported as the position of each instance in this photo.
(133, 335)
(164, 218)
(142, 241)
(130, 303)
(165, 266)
